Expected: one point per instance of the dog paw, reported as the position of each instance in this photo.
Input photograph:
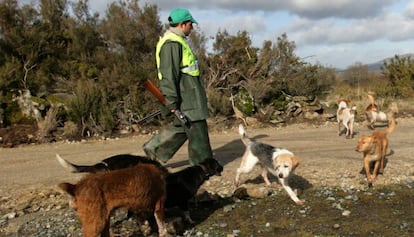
(300, 202)
(371, 180)
(271, 185)
(189, 221)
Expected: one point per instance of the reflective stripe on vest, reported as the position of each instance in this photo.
(188, 63)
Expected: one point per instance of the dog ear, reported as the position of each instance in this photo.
(295, 161)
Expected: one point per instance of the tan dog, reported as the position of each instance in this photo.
(139, 189)
(279, 162)
(374, 115)
(374, 149)
(346, 117)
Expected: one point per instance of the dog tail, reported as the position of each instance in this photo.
(68, 188)
(243, 134)
(371, 99)
(67, 165)
(372, 105)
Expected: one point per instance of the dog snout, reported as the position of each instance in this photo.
(212, 167)
(281, 175)
(219, 170)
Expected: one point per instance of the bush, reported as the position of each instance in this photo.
(244, 102)
(89, 109)
(70, 130)
(219, 104)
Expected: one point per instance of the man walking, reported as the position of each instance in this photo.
(184, 92)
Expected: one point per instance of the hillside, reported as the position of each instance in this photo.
(376, 66)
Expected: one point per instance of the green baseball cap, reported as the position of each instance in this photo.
(180, 15)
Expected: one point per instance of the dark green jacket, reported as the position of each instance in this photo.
(181, 90)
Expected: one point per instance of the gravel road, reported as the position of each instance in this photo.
(326, 160)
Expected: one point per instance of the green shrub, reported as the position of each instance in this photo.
(89, 109)
(244, 102)
(219, 104)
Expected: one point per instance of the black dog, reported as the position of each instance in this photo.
(181, 186)
(115, 162)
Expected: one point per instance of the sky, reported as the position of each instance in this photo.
(337, 33)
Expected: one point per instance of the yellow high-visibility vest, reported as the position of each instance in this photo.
(189, 63)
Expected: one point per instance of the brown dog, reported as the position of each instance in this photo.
(140, 189)
(181, 186)
(374, 148)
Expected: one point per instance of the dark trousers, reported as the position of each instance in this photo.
(171, 137)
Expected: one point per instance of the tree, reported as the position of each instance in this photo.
(82, 53)
(32, 44)
(400, 74)
(230, 60)
(131, 57)
(97, 66)
(356, 75)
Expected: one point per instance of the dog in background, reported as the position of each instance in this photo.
(372, 106)
(374, 115)
(181, 185)
(140, 189)
(374, 148)
(343, 103)
(346, 117)
(279, 162)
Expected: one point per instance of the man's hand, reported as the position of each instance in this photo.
(180, 117)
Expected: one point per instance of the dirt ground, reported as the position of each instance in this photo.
(326, 158)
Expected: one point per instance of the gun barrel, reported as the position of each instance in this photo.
(151, 115)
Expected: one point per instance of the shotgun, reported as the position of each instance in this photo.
(151, 115)
(157, 93)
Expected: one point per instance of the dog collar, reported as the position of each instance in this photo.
(206, 175)
(105, 164)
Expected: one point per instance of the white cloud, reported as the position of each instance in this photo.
(409, 11)
(391, 26)
(253, 24)
(317, 9)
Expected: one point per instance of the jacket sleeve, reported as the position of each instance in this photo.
(170, 60)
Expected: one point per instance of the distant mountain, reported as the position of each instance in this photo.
(377, 65)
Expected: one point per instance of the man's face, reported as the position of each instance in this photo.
(186, 27)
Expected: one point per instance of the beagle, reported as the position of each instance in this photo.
(279, 162)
